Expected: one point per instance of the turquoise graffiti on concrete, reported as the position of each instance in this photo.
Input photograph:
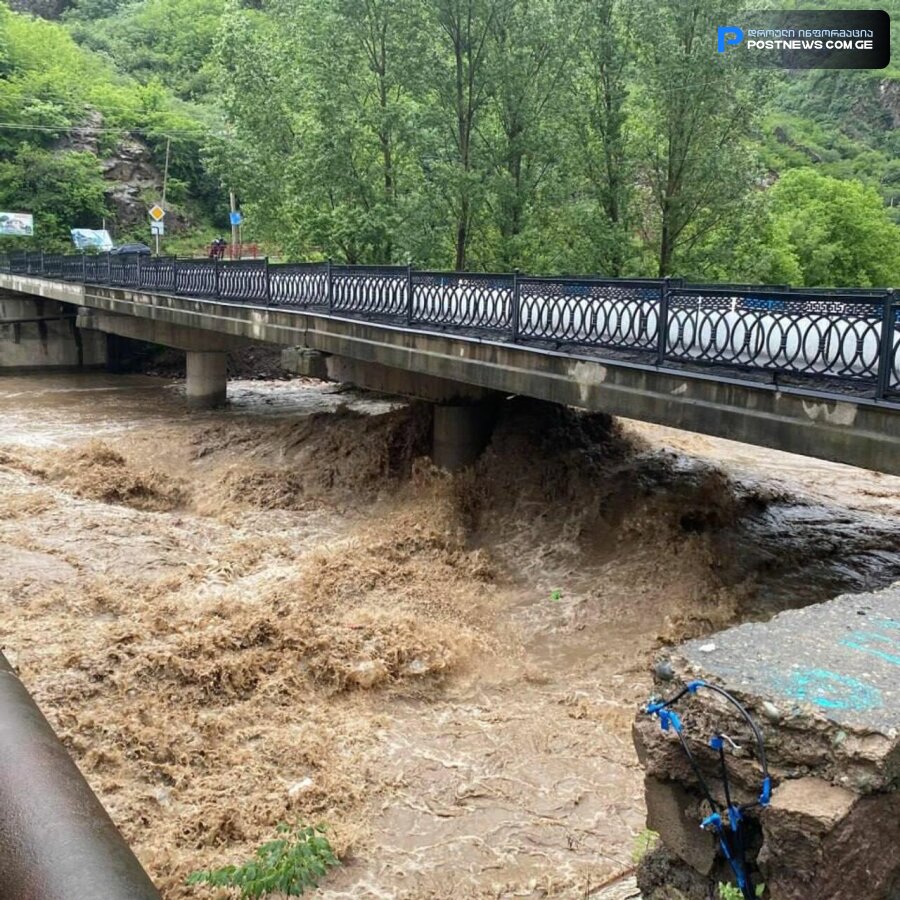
(883, 646)
(831, 690)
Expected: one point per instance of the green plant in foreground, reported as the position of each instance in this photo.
(290, 864)
(556, 594)
(643, 844)
(733, 892)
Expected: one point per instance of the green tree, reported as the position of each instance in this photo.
(532, 49)
(323, 118)
(170, 41)
(694, 111)
(604, 154)
(820, 230)
(460, 86)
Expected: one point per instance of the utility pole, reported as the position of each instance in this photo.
(235, 228)
(166, 170)
(165, 184)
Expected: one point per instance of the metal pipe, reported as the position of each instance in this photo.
(57, 842)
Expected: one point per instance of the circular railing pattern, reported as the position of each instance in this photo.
(462, 300)
(158, 274)
(606, 314)
(242, 281)
(298, 284)
(198, 278)
(815, 337)
(379, 290)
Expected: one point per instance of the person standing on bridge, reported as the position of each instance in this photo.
(217, 248)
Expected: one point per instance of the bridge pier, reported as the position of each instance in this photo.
(464, 414)
(206, 384)
(460, 433)
(206, 352)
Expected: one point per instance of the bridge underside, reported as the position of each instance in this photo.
(458, 369)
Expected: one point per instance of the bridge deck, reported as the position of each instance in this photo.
(822, 379)
(822, 340)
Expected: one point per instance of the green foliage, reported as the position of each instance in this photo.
(289, 865)
(169, 41)
(483, 133)
(732, 892)
(69, 106)
(693, 116)
(600, 136)
(820, 230)
(643, 844)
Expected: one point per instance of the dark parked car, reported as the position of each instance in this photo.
(142, 249)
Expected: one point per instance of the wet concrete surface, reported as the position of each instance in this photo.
(840, 658)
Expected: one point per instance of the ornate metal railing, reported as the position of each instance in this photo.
(837, 338)
(299, 285)
(614, 313)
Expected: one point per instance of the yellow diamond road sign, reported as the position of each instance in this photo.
(157, 212)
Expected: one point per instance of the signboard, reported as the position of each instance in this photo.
(157, 213)
(157, 228)
(91, 239)
(17, 224)
(236, 218)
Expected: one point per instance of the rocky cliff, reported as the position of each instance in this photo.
(134, 180)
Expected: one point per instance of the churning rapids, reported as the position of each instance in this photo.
(280, 612)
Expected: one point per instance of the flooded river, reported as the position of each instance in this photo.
(279, 612)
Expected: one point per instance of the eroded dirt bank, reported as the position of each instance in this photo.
(281, 612)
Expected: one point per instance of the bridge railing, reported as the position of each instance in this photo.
(843, 336)
(462, 300)
(299, 285)
(616, 313)
(371, 290)
(158, 274)
(242, 281)
(828, 335)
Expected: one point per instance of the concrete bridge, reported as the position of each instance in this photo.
(809, 371)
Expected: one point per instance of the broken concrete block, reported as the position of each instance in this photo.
(674, 812)
(802, 811)
(823, 686)
(826, 841)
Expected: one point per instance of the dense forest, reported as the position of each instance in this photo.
(547, 135)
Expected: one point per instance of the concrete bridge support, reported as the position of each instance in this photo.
(36, 333)
(464, 414)
(206, 351)
(206, 379)
(460, 433)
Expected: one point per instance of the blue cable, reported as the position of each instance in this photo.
(669, 719)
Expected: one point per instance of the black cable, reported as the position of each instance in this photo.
(731, 841)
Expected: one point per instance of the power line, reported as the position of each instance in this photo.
(68, 129)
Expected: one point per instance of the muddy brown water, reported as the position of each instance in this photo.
(279, 612)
